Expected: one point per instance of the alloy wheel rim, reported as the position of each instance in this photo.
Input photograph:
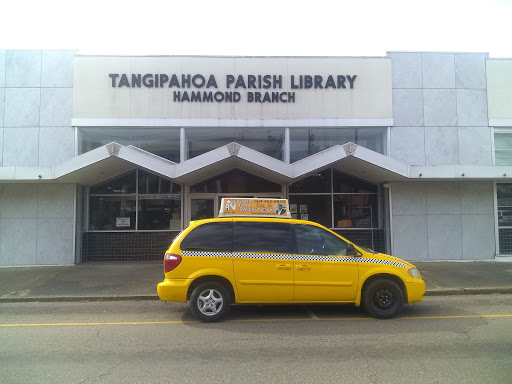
(210, 302)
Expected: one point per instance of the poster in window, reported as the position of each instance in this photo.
(293, 208)
(122, 222)
(304, 216)
(303, 208)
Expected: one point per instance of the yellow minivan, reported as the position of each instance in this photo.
(254, 253)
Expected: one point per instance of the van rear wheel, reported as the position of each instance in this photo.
(383, 298)
(210, 302)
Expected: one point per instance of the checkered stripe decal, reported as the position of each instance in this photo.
(269, 256)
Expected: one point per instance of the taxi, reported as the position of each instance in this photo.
(255, 253)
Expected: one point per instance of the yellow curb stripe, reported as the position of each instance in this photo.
(256, 320)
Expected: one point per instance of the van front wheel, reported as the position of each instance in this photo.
(210, 302)
(383, 299)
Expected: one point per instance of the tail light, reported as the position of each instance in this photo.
(171, 261)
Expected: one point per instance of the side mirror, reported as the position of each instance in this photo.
(352, 251)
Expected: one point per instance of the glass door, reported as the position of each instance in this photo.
(202, 208)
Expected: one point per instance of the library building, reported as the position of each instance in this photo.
(108, 158)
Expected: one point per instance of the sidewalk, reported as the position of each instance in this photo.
(96, 281)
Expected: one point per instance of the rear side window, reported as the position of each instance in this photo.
(210, 237)
(262, 237)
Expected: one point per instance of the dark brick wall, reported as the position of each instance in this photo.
(364, 238)
(123, 246)
(505, 240)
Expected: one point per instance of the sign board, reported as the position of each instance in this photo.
(175, 88)
(254, 207)
(122, 222)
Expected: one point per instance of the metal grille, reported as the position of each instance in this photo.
(125, 246)
(505, 240)
(370, 238)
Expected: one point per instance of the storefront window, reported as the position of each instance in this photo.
(355, 211)
(138, 200)
(313, 208)
(504, 202)
(163, 142)
(265, 140)
(236, 181)
(156, 213)
(320, 182)
(335, 200)
(112, 213)
(305, 142)
(121, 185)
(503, 148)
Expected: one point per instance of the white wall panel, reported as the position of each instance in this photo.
(19, 201)
(444, 237)
(56, 107)
(2, 68)
(57, 69)
(438, 70)
(21, 147)
(470, 70)
(410, 240)
(408, 107)
(443, 198)
(407, 69)
(441, 146)
(408, 145)
(477, 198)
(56, 144)
(23, 69)
(22, 107)
(440, 107)
(19, 238)
(2, 106)
(471, 108)
(475, 146)
(478, 237)
(55, 241)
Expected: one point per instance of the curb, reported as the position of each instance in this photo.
(69, 299)
(469, 291)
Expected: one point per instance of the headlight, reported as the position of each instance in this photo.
(414, 273)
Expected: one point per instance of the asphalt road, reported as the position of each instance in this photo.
(456, 339)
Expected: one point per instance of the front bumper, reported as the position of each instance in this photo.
(415, 291)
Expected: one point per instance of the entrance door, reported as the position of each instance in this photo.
(202, 208)
(205, 197)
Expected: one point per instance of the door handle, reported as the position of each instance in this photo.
(303, 267)
(283, 266)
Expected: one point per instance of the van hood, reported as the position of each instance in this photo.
(393, 258)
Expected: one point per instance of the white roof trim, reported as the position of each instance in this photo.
(190, 123)
(500, 122)
(113, 159)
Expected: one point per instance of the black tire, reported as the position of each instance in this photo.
(210, 302)
(383, 298)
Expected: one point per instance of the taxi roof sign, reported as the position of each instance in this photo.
(254, 207)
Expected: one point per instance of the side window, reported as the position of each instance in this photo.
(313, 240)
(264, 237)
(210, 237)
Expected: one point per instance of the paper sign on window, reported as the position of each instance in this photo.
(122, 222)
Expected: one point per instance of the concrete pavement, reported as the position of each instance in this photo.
(138, 280)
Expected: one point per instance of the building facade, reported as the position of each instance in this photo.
(109, 157)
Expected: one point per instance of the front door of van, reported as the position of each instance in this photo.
(262, 261)
(326, 273)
